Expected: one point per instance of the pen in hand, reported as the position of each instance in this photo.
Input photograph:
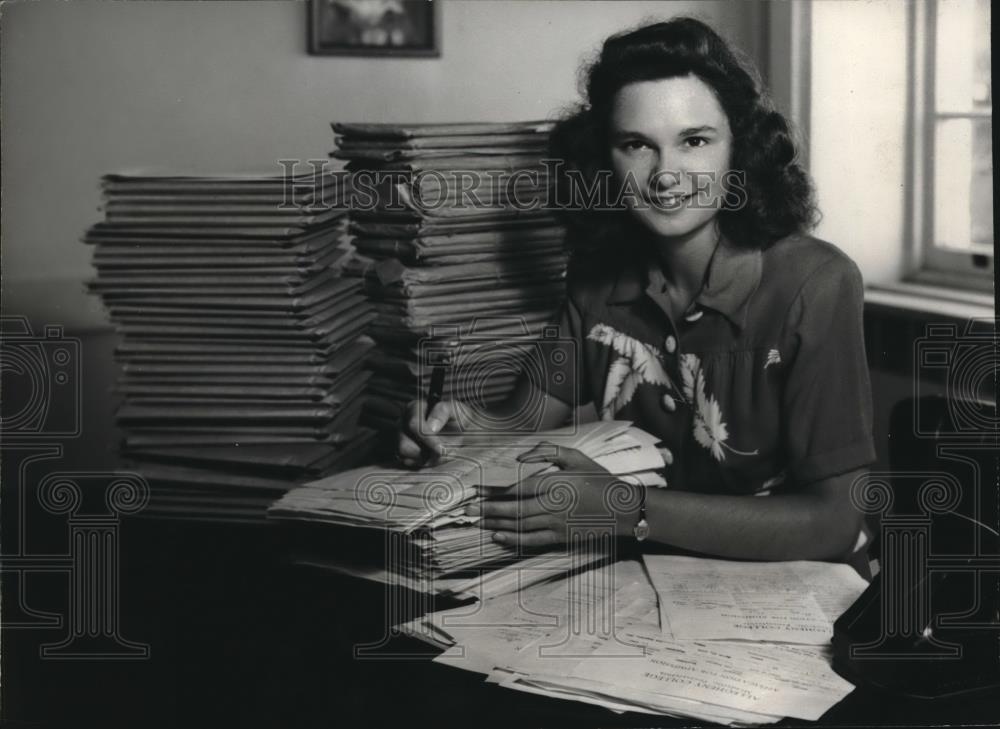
(436, 390)
(435, 393)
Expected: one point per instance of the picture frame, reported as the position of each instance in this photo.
(380, 28)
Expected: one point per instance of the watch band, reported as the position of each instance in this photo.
(641, 529)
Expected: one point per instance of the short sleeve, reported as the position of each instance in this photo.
(827, 401)
(561, 350)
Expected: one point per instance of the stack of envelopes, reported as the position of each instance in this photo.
(456, 241)
(242, 347)
(436, 547)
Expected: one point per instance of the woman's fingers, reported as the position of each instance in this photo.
(422, 431)
(568, 459)
(542, 453)
(543, 538)
(507, 509)
(560, 485)
(408, 448)
(526, 524)
(439, 416)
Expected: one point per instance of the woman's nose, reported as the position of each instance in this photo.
(665, 173)
(664, 178)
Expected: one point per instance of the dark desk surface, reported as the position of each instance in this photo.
(240, 637)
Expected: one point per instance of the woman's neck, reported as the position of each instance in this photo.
(684, 259)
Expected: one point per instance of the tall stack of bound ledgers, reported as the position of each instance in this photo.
(242, 346)
(457, 245)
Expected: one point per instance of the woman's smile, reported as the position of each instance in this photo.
(670, 202)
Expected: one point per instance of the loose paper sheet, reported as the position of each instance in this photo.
(788, 602)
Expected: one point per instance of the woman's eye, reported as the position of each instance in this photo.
(696, 141)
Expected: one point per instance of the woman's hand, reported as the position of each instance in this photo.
(418, 436)
(539, 511)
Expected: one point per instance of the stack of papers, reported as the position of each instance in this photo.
(242, 345)
(455, 243)
(597, 636)
(436, 547)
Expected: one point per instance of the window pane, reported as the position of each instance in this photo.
(962, 53)
(982, 87)
(982, 183)
(963, 185)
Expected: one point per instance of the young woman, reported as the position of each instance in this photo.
(702, 311)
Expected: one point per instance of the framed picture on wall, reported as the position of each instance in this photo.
(374, 28)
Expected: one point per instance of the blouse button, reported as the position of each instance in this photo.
(669, 404)
(670, 344)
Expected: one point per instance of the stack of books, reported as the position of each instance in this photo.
(457, 246)
(241, 343)
(432, 546)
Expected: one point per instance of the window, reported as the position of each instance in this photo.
(952, 131)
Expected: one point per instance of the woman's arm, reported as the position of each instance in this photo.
(818, 523)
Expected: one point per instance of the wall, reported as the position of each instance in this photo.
(857, 133)
(207, 87)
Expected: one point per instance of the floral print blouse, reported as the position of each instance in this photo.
(761, 385)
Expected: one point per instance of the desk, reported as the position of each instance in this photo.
(240, 637)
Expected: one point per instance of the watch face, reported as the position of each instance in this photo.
(641, 530)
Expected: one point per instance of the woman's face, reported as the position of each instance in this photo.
(671, 146)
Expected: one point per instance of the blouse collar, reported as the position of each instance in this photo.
(732, 277)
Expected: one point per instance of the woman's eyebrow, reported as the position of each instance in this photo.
(686, 132)
(621, 133)
(696, 130)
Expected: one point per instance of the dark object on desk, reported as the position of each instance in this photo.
(929, 624)
(943, 659)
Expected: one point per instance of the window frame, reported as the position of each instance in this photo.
(927, 263)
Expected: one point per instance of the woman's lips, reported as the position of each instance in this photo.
(670, 201)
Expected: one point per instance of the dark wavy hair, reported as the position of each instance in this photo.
(779, 194)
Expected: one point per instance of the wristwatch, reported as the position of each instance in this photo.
(641, 529)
